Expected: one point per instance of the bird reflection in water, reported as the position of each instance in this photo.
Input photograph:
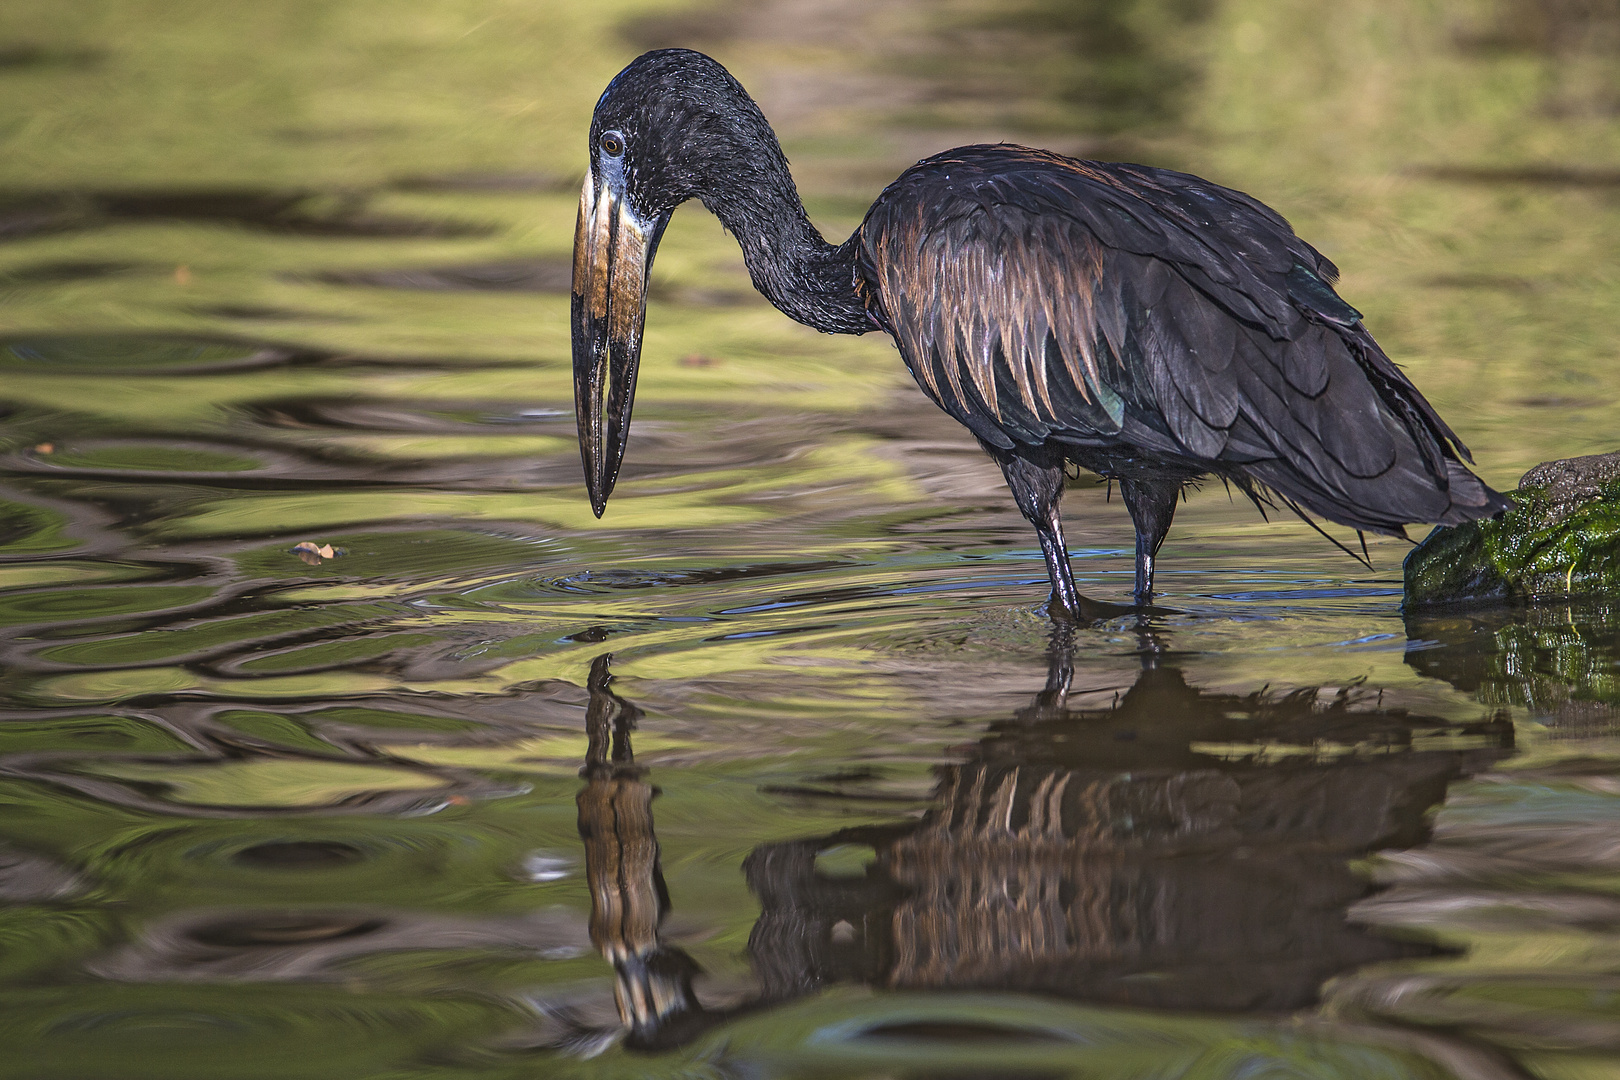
(1177, 848)
(628, 897)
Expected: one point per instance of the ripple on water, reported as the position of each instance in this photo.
(29, 530)
(317, 944)
(128, 354)
(205, 1032)
(147, 459)
(55, 609)
(299, 854)
(586, 582)
(394, 859)
(406, 415)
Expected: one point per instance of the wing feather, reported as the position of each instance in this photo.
(1040, 298)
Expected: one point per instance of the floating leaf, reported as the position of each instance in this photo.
(313, 553)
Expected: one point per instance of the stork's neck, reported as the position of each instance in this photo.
(808, 279)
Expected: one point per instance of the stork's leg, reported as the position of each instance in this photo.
(1152, 504)
(1037, 485)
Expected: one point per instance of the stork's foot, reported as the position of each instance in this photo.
(1143, 604)
(1084, 610)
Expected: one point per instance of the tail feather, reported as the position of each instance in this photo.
(1366, 450)
(1385, 504)
(1470, 497)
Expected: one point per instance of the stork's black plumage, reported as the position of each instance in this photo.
(1144, 324)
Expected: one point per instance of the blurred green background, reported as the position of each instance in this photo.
(1458, 158)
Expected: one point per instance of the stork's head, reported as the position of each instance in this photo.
(674, 125)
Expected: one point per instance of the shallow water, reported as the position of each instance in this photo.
(338, 738)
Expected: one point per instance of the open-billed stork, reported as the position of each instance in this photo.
(1144, 324)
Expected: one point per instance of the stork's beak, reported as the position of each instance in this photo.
(613, 251)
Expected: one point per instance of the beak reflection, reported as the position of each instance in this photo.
(613, 251)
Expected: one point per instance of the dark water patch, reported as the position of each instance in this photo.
(1557, 402)
(845, 794)
(125, 734)
(26, 56)
(514, 275)
(962, 1031)
(1305, 593)
(318, 732)
(1487, 282)
(299, 854)
(412, 415)
(316, 945)
(542, 275)
(609, 581)
(21, 222)
(255, 786)
(688, 296)
(224, 634)
(296, 212)
(262, 313)
(340, 650)
(375, 721)
(61, 272)
(154, 354)
(319, 861)
(773, 632)
(874, 594)
(194, 460)
(283, 930)
(306, 136)
(90, 603)
(231, 620)
(1566, 176)
(139, 354)
(491, 183)
(136, 472)
(285, 212)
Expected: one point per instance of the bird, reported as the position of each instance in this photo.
(1146, 325)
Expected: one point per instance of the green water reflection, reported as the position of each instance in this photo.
(283, 277)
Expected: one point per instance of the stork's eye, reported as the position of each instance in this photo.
(612, 143)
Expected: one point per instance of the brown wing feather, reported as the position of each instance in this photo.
(1004, 307)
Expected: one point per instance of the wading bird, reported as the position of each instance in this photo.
(1143, 324)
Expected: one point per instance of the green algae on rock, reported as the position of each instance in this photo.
(1561, 538)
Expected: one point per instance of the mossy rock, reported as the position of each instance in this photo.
(1560, 539)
